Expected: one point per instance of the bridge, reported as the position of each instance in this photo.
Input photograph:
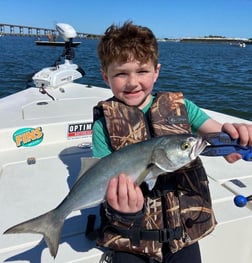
(30, 31)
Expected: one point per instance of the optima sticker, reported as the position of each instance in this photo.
(78, 130)
(28, 137)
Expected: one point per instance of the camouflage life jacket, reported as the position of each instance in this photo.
(178, 211)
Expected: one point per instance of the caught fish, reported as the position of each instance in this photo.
(143, 161)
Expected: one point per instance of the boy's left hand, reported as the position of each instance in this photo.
(124, 195)
(241, 131)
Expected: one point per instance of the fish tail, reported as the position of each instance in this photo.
(47, 224)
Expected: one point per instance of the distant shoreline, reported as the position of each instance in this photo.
(222, 40)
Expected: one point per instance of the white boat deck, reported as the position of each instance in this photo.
(35, 179)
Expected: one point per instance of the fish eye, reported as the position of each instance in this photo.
(185, 146)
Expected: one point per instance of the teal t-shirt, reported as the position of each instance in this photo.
(100, 137)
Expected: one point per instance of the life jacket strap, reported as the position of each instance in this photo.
(135, 234)
(162, 235)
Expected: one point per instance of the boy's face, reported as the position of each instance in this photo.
(132, 82)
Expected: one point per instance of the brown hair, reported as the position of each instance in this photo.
(122, 44)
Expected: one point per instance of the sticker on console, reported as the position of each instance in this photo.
(28, 137)
(78, 130)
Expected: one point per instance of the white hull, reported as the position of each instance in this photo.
(27, 190)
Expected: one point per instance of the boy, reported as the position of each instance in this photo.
(140, 225)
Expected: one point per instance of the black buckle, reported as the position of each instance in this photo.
(168, 234)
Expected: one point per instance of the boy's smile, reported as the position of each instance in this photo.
(132, 82)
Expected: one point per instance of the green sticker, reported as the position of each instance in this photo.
(28, 137)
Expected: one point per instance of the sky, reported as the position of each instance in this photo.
(166, 18)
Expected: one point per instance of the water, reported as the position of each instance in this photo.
(214, 76)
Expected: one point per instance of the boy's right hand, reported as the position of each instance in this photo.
(124, 195)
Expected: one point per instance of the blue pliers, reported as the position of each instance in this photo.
(221, 144)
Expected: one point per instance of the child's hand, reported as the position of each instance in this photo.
(242, 131)
(124, 195)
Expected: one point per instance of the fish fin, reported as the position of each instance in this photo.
(149, 175)
(151, 178)
(47, 225)
(151, 183)
(144, 174)
(86, 163)
(160, 159)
